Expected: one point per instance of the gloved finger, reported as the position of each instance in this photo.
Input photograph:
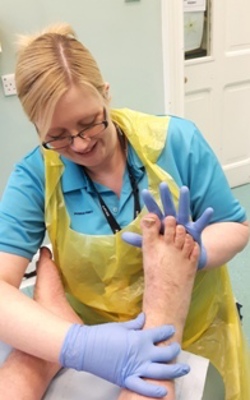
(203, 258)
(151, 204)
(204, 219)
(165, 354)
(132, 238)
(138, 385)
(184, 206)
(136, 323)
(190, 228)
(168, 371)
(160, 334)
(167, 201)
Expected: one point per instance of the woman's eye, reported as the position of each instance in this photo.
(63, 136)
(85, 126)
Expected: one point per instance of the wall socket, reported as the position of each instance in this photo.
(9, 85)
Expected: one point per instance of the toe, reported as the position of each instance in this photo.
(150, 226)
(169, 229)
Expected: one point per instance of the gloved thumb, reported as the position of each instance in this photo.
(135, 324)
(204, 220)
(132, 238)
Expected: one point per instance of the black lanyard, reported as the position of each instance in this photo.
(107, 213)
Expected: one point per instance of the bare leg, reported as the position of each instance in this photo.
(49, 291)
(22, 376)
(170, 265)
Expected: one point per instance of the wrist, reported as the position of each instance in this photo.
(73, 340)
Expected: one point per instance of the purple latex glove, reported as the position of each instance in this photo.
(182, 217)
(123, 353)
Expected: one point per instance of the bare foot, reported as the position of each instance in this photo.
(49, 291)
(170, 259)
(170, 265)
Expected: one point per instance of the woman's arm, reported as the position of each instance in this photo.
(223, 240)
(24, 324)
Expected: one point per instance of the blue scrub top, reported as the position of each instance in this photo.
(186, 157)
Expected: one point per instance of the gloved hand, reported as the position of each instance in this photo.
(182, 217)
(123, 354)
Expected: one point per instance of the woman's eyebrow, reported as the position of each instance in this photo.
(84, 121)
(91, 118)
(56, 131)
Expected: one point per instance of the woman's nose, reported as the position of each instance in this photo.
(79, 144)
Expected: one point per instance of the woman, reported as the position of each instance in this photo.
(84, 189)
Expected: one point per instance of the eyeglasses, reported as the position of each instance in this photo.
(87, 133)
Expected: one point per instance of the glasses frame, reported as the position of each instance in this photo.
(80, 134)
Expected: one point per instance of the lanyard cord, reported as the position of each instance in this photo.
(135, 190)
(133, 183)
(107, 213)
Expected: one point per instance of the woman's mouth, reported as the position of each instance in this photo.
(88, 151)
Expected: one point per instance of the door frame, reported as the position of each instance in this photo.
(173, 56)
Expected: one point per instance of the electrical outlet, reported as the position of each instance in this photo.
(9, 85)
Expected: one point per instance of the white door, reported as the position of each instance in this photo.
(217, 87)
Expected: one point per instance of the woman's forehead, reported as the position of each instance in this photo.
(75, 104)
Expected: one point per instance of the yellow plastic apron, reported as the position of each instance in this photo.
(103, 276)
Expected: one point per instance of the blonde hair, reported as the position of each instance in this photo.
(48, 64)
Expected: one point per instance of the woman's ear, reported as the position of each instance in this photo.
(106, 93)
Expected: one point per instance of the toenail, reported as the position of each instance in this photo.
(148, 221)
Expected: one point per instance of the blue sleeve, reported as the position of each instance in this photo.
(22, 226)
(188, 158)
